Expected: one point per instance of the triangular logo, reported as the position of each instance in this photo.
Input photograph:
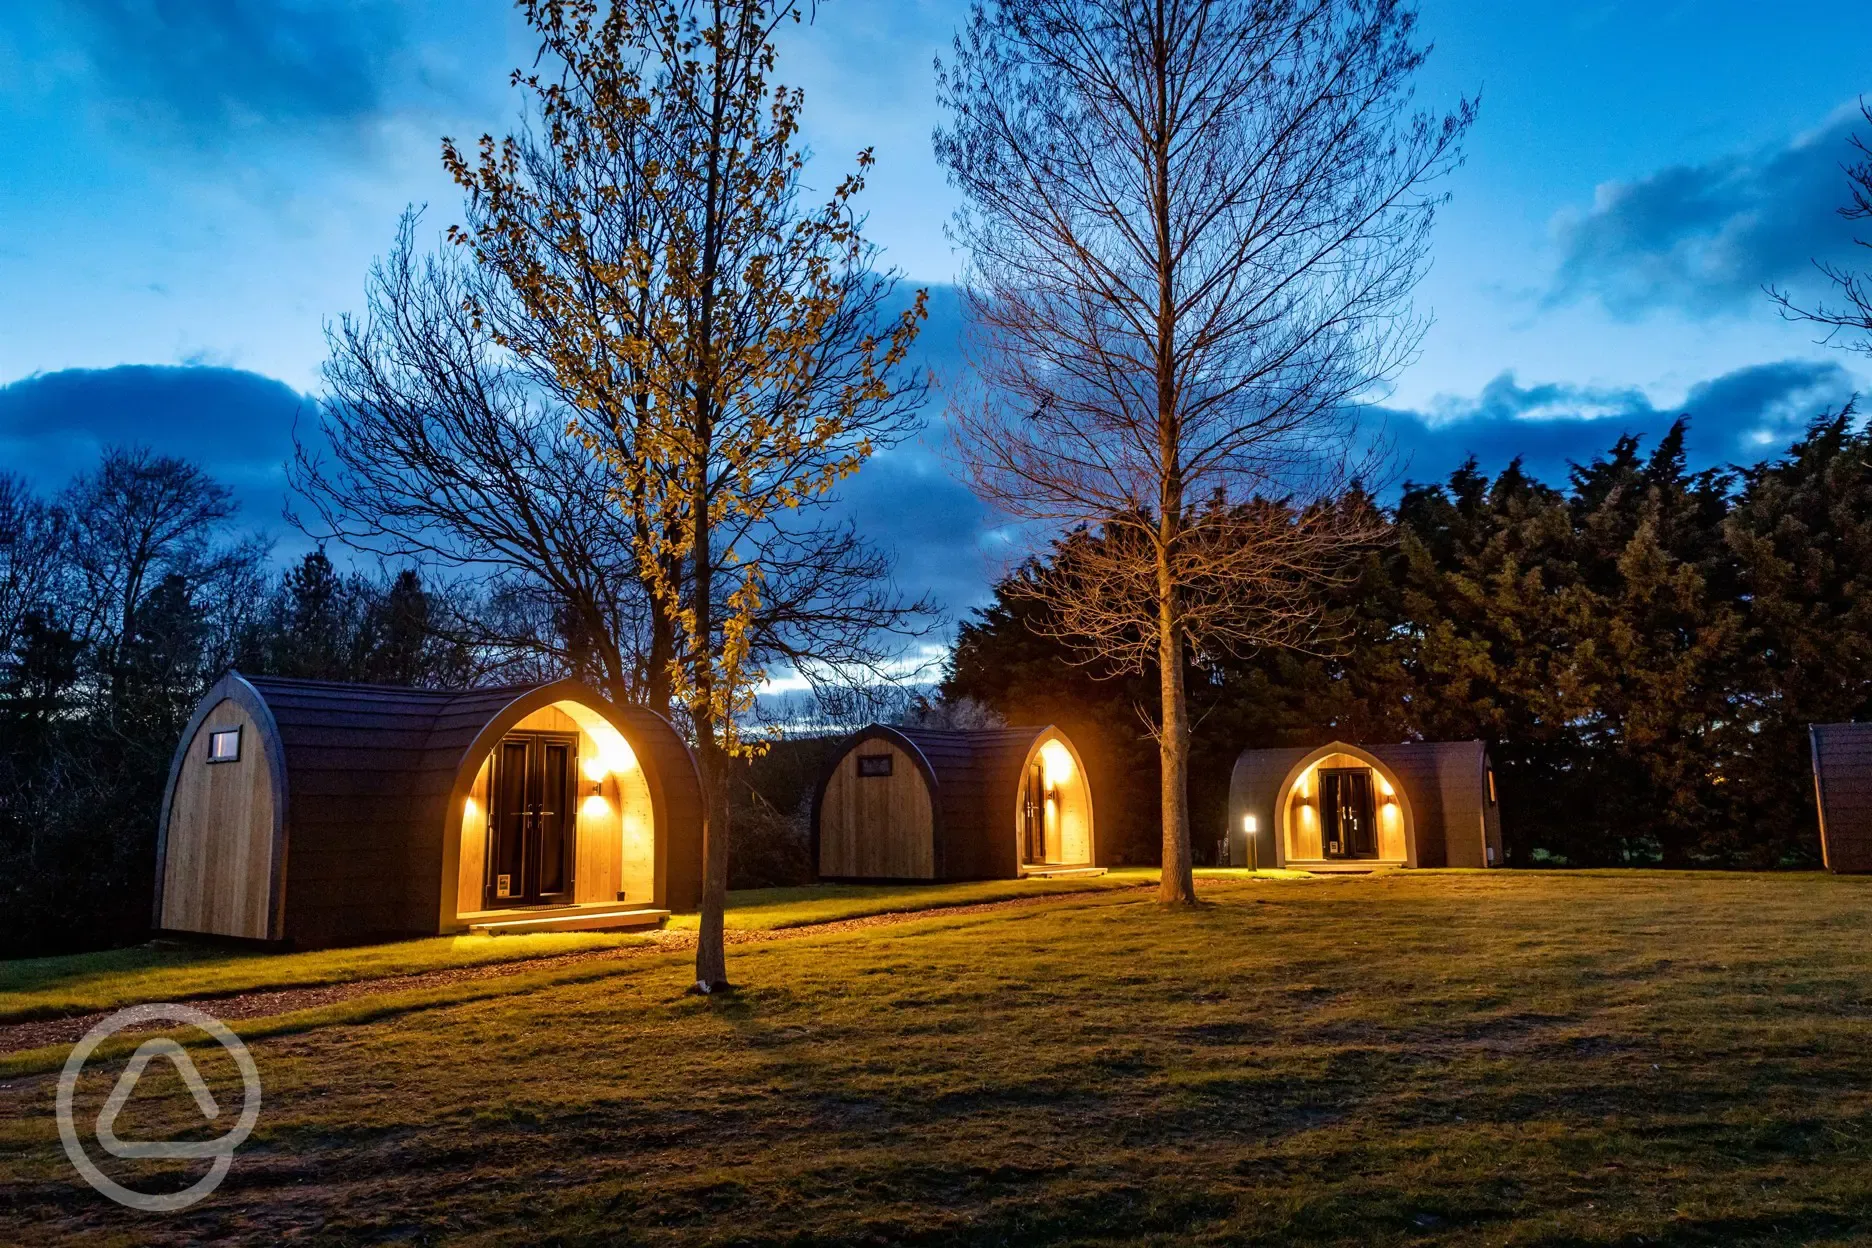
(148, 1051)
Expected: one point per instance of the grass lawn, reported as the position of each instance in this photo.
(87, 982)
(771, 908)
(1450, 1058)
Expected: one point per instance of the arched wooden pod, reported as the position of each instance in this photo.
(1431, 803)
(344, 806)
(939, 804)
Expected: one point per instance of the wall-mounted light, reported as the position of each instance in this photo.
(613, 757)
(1057, 762)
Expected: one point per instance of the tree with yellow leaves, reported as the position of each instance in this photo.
(728, 346)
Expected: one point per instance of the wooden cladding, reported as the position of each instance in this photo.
(1842, 763)
(218, 862)
(944, 804)
(1444, 812)
(336, 813)
(877, 824)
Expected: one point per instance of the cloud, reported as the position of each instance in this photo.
(1740, 417)
(1704, 239)
(215, 66)
(237, 425)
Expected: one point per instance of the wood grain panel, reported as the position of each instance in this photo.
(218, 868)
(637, 834)
(472, 886)
(877, 827)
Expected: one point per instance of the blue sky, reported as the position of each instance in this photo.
(194, 187)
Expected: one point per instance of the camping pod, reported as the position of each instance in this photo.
(938, 804)
(1344, 807)
(1842, 767)
(320, 813)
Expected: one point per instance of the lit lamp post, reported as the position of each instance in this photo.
(1254, 848)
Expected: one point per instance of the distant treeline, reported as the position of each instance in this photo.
(126, 594)
(121, 599)
(1642, 650)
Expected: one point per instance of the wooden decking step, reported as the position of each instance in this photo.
(593, 920)
(1060, 873)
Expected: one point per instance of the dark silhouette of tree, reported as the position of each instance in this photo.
(1193, 227)
(32, 537)
(1848, 323)
(1643, 651)
(722, 342)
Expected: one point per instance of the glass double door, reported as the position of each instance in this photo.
(1034, 817)
(531, 820)
(1348, 826)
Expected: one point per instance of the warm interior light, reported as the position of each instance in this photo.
(617, 755)
(1384, 787)
(614, 757)
(594, 806)
(468, 809)
(1057, 762)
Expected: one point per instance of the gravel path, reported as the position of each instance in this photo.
(37, 1033)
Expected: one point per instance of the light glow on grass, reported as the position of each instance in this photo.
(1417, 1057)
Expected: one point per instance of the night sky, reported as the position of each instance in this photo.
(192, 188)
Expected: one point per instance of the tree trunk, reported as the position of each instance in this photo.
(711, 944)
(711, 948)
(711, 951)
(656, 688)
(1178, 884)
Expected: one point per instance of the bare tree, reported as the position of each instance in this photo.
(438, 445)
(727, 348)
(1193, 227)
(32, 535)
(143, 522)
(1852, 318)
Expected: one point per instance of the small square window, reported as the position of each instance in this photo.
(224, 745)
(874, 764)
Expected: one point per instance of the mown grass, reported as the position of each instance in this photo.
(83, 983)
(56, 987)
(773, 908)
(1417, 1058)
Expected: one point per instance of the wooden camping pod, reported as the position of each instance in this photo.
(1428, 803)
(335, 813)
(939, 804)
(1842, 767)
